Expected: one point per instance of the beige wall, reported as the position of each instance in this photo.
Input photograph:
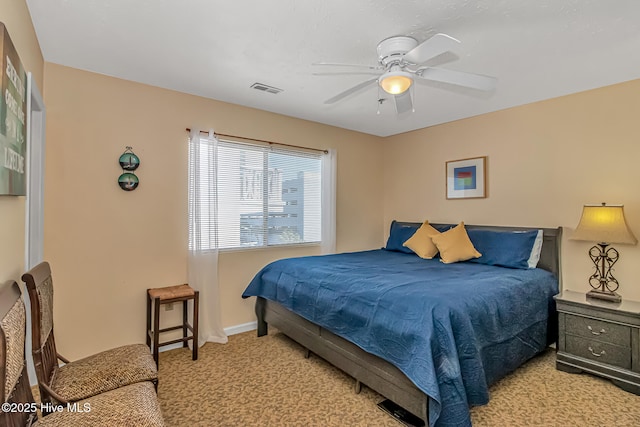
(16, 18)
(106, 246)
(545, 160)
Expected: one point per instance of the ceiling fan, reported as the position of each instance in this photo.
(400, 60)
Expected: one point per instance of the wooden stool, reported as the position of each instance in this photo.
(167, 295)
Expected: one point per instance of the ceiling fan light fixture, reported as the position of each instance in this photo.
(395, 82)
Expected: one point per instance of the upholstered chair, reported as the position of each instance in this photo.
(133, 405)
(77, 380)
(14, 382)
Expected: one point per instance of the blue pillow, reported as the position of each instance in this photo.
(401, 232)
(511, 249)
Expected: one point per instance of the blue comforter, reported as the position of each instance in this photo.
(452, 329)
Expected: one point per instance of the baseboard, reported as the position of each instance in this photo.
(231, 330)
(170, 347)
(238, 329)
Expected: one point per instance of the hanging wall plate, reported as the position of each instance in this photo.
(128, 181)
(129, 161)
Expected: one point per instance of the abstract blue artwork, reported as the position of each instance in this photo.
(466, 178)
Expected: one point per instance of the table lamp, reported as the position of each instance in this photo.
(604, 224)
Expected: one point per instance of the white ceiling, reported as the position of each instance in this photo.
(217, 48)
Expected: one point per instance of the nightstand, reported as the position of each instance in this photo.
(599, 337)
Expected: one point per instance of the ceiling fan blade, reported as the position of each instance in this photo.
(459, 78)
(348, 73)
(350, 91)
(404, 103)
(337, 64)
(436, 45)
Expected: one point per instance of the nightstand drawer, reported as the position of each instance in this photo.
(602, 331)
(599, 351)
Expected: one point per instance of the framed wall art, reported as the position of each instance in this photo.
(467, 178)
(13, 119)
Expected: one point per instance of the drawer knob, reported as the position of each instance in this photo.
(602, 331)
(602, 353)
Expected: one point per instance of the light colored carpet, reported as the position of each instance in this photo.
(267, 382)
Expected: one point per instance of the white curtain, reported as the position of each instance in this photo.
(203, 238)
(329, 164)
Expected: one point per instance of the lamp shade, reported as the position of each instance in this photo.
(395, 82)
(603, 224)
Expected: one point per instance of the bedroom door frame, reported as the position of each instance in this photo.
(34, 203)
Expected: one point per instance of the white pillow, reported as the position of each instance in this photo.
(534, 257)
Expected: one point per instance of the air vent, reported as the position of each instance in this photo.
(266, 88)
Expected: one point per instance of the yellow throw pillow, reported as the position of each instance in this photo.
(454, 245)
(421, 243)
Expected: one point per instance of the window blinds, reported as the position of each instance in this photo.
(264, 196)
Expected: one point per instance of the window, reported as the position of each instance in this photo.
(264, 196)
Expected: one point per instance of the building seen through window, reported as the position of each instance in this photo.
(267, 197)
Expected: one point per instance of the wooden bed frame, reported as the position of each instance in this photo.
(365, 368)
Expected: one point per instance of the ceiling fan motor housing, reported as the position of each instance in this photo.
(392, 49)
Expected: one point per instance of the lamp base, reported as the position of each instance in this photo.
(606, 295)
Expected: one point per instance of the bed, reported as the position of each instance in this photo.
(429, 336)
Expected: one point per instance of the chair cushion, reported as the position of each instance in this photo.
(133, 405)
(105, 371)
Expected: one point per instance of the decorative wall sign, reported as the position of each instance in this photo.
(13, 119)
(129, 162)
(466, 178)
